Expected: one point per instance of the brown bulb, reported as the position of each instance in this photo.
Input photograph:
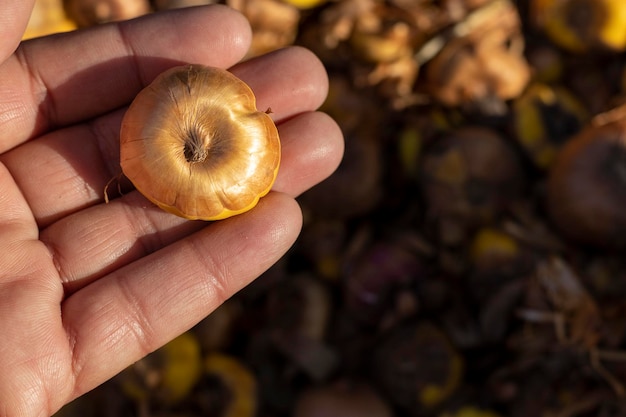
(587, 187)
(468, 178)
(417, 367)
(582, 25)
(343, 399)
(194, 144)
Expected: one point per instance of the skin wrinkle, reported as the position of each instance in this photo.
(68, 277)
(132, 53)
(42, 289)
(136, 321)
(55, 255)
(215, 285)
(129, 221)
(215, 275)
(12, 228)
(138, 317)
(45, 103)
(135, 230)
(83, 365)
(140, 229)
(13, 111)
(74, 184)
(130, 322)
(75, 365)
(43, 394)
(276, 235)
(107, 150)
(30, 399)
(18, 264)
(62, 177)
(90, 275)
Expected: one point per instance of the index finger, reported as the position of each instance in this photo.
(97, 70)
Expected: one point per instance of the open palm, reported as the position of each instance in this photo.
(87, 288)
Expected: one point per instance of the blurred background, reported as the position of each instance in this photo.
(467, 257)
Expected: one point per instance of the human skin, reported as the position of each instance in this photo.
(87, 288)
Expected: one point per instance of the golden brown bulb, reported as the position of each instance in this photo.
(468, 177)
(194, 144)
(343, 398)
(417, 367)
(582, 25)
(587, 187)
(545, 117)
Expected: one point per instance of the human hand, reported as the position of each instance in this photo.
(87, 288)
